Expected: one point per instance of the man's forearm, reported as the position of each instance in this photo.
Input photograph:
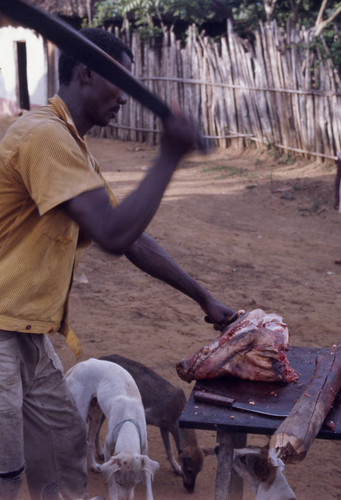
(149, 256)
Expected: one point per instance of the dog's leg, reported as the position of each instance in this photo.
(94, 422)
(147, 480)
(112, 488)
(169, 451)
(98, 446)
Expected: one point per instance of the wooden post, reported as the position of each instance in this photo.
(228, 484)
(295, 435)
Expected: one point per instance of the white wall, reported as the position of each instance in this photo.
(36, 68)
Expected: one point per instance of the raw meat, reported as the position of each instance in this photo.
(252, 348)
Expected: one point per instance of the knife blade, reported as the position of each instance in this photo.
(227, 402)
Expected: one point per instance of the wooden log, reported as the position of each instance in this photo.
(262, 97)
(297, 432)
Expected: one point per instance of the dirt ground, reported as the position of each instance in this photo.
(259, 232)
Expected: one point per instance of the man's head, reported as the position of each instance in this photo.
(91, 99)
(104, 40)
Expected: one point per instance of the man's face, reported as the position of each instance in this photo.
(106, 98)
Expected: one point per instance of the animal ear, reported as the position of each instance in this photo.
(110, 467)
(263, 469)
(149, 465)
(207, 451)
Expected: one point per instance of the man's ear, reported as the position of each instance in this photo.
(85, 73)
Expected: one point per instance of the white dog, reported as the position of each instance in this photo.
(263, 473)
(102, 386)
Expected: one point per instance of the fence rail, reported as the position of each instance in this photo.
(277, 91)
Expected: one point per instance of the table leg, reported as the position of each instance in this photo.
(228, 486)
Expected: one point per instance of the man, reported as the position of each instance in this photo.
(53, 200)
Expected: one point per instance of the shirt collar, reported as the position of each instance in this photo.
(62, 110)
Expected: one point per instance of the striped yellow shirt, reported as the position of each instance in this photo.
(43, 162)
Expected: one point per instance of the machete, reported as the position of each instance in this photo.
(227, 402)
(71, 41)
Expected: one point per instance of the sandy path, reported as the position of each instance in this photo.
(257, 233)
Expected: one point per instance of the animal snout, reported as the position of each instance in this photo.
(124, 493)
(191, 459)
(188, 479)
(189, 484)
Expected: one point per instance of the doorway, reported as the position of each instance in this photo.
(24, 100)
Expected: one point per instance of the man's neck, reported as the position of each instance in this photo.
(75, 107)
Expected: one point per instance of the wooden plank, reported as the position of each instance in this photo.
(228, 485)
(297, 432)
(240, 111)
(262, 97)
(226, 70)
(267, 93)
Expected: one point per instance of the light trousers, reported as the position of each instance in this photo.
(41, 432)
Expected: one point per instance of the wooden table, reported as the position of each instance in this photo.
(232, 426)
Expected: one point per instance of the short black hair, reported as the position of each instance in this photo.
(108, 42)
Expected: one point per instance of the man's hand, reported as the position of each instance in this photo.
(180, 135)
(218, 314)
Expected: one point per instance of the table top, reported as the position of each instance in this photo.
(264, 395)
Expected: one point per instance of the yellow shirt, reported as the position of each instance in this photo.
(43, 162)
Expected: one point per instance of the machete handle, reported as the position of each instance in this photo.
(228, 321)
(213, 399)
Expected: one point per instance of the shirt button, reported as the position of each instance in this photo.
(28, 327)
(51, 331)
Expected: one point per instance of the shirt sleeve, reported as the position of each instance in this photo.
(55, 166)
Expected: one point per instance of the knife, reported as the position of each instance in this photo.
(227, 402)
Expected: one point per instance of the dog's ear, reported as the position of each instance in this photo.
(110, 467)
(149, 465)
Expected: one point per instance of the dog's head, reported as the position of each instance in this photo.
(191, 460)
(128, 470)
(264, 474)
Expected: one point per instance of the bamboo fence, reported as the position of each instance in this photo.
(275, 92)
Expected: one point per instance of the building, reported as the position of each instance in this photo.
(28, 62)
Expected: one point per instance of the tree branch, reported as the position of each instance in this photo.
(320, 26)
(295, 7)
(269, 6)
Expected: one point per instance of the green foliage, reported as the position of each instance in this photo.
(140, 13)
(202, 11)
(150, 17)
(247, 15)
(107, 9)
(158, 12)
(198, 11)
(331, 48)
